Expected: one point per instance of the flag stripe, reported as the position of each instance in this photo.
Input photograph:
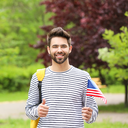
(93, 90)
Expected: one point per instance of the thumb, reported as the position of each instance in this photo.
(43, 101)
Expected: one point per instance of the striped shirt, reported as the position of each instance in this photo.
(65, 94)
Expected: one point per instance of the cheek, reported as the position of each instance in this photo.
(52, 52)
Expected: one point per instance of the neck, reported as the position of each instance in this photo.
(60, 67)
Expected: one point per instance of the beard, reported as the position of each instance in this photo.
(59, 60)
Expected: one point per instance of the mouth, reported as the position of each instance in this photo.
(59, 57)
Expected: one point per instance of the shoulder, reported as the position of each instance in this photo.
(34, 77)
(80, 72)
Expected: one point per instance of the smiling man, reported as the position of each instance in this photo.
(63, 89)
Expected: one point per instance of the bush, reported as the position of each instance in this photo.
(14, 78)
(109, 75)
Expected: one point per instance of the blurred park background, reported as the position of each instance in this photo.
(99, 31)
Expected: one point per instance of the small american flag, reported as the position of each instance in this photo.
(93, 90)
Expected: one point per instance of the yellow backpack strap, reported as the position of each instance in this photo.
(40, 74)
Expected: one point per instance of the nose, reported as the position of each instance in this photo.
(59, 49)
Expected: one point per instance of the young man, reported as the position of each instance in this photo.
(63, 89)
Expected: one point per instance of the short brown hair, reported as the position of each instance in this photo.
(58, 32)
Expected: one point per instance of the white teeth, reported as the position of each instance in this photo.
(58, 55)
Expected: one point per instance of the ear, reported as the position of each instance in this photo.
(70, 49)
(48, 49)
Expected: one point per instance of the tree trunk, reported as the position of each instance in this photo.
(126, 92)
(101, 77)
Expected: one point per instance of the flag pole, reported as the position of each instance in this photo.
(85, 100)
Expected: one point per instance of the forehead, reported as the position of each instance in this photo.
(58, 41)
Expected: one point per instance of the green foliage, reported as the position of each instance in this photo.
(118, 108)
(109, 75)
(113, 89)
(8, 55)
(126, 13)
(15, 78)
(19, 21)
(19, 25)
(117, 55)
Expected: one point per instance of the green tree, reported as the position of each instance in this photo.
(19, 21)
(117, 55)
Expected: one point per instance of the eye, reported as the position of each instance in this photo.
(55, 46)
(64, 46)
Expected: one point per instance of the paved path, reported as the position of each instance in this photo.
(113, 117)
(16, 109)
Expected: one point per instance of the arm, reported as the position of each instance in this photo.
(90, 112)
(33, 99)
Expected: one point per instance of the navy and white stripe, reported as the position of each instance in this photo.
(65, 94)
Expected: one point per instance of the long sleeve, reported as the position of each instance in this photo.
(33, 99)
(91, 103)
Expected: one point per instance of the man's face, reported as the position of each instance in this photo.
(59, 49)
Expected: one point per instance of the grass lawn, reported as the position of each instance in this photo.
(13, 96)
(119, 108)
(113, 89)
(106, 124)
(20, 123)
(14, 123)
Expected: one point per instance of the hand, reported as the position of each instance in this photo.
(86, 113)
(43, 109)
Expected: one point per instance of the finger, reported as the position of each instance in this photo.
(86, 119)
(86, 111)
(87, 108)
(44, 109)
(43, 101)
(86, 115)
(43, 114)
(44, 106)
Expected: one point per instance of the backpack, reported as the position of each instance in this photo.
(40, 75)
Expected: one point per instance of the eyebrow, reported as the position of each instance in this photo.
(59, 45)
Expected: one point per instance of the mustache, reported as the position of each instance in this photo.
(60, 53)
